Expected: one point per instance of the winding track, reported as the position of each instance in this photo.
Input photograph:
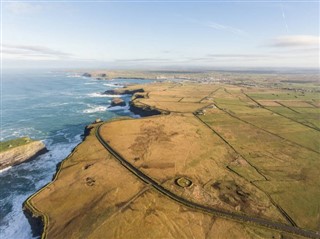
(216, 212)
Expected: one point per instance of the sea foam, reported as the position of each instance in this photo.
(112, 85)
(94, 109)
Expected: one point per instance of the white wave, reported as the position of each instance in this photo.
(58, 104)
(10, 133)
(17, 225)
(125, 108)
(78, 138)
(47, 105)
(113, 85)
(116, 95)
(24, 120)
(75, 75)
(5, 169)
(94, 109)
(95, 95)
(90, 83)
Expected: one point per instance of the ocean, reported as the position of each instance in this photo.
(53, 106)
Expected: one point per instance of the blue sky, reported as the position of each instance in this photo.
(160, 34)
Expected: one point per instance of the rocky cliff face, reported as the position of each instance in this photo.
(20, 154)
(123, 91)
(117, 102)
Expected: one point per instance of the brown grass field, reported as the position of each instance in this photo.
(246, 150)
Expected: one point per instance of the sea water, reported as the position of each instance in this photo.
(53, 106)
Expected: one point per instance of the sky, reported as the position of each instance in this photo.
(160, 34)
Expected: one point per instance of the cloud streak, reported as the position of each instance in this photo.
(34, 52)
(239, 58)
(228, 58)
(284, 18)
(144, 60)
(295, 41)
(225, 28)
(218, 26)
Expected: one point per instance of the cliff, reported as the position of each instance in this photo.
(14, 152)
(124, 91)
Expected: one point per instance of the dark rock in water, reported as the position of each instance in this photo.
(86, 74)
(99, 78)
(122, 92)
(118, 102)
(102, 75)
(110, 92)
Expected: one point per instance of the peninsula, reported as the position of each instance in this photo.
(19, 150)
(210, 161)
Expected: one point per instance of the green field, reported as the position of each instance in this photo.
(6, 145)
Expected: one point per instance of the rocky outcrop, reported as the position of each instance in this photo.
(139, 96)
(35, 221)
(117, 102)
(21, 154)
(123, 91)
(144, 110)
(86, 74)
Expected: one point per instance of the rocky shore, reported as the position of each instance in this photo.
(10, 155)
(144, 111)
(136, 108)
(37, 219)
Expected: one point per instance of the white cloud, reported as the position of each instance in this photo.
(295, 41)
(23, 7)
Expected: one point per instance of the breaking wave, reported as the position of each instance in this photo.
(94, 109)
(113, 85)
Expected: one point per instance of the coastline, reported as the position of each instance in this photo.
(61, 134)
(39, 220)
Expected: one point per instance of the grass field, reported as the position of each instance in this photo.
(10, 144)
(245, 150)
